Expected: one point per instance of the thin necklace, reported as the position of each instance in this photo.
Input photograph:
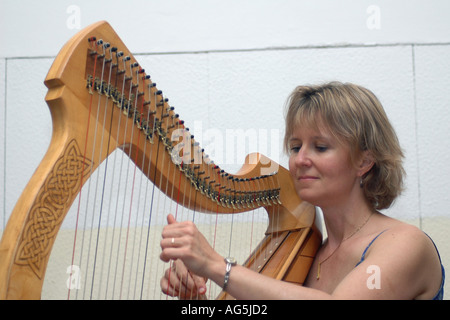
(351, 235)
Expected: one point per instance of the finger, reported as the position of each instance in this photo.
(193, 285)
(171, 242)
(200, 284)
(177, 287)
(171, 249)
(174, 279)
(171, 219)
(191, 281)
(173, 228)
(167, 288)
(191, 290)
(171, 236)
(186, 288)
(168, 254)
(183, 274)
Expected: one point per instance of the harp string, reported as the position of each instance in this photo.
(106, 46)
(118, 55)
(157, 273)
(124, 194)
(151, 202)
(146, 120)
(93, 46)
(138, 72)
(97, 173)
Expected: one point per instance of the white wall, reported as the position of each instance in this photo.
(232, 64)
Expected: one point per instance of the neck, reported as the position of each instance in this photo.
(342, 222)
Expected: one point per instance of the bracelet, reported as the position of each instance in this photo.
(230, 262)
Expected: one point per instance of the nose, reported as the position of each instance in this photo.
(302, 158)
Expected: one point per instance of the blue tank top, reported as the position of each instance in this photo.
(440, 294)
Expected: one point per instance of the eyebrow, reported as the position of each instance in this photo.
(314, 138)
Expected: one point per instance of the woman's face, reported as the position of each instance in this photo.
(321, 167)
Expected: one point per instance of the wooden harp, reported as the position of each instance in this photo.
(102, 100)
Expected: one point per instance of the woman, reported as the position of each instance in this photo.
(344, 158)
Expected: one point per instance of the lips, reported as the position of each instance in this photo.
(307, 178)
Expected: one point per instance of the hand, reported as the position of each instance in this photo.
(183, 241)
(179, 282)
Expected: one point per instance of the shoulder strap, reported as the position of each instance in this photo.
(363, 256)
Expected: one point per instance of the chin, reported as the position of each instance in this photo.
(308, 196)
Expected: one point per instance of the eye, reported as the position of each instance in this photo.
(294, 149)
(321, 148)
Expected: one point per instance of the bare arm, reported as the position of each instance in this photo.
(247, 284)
(402, 257)
(189, 246)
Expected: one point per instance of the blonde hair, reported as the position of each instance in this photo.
(354, 116)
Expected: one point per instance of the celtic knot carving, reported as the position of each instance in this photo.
(52, 202)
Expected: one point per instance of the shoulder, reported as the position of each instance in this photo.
(404, 243)
(402, 263)
(408, 259)
(404, 231)
(394, 234)
(403, 236)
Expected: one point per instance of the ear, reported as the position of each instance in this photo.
(366, 163)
